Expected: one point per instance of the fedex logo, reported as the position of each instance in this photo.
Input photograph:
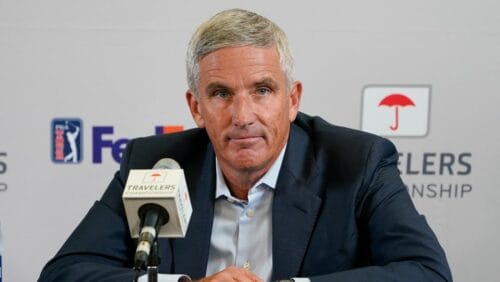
(102, 139)
(396, 110)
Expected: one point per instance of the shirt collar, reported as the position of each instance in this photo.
(269, 178)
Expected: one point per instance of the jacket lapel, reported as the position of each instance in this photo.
(295, 206)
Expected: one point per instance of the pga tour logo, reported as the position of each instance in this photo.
(396, 110)
(66, 139)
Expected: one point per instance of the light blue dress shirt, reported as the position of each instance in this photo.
(242, 230)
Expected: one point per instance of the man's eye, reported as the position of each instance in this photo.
(221, 93)
(263, 91)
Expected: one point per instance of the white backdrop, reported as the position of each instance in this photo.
(120, 64)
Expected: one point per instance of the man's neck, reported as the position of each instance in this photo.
(239, 183)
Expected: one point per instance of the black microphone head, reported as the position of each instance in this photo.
(153, 214)
(167, 163)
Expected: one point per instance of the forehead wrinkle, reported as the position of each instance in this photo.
(234, 68)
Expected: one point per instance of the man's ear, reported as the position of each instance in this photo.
(194, 107)
(295, 96)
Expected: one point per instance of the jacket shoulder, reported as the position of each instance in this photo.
(343, 149)
(331, 137)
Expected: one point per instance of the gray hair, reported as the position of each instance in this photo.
(232, 28)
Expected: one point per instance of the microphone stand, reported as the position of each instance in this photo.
(153, 263)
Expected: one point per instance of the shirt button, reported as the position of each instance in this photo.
(250, 213)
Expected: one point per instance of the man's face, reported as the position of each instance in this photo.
(244, 106)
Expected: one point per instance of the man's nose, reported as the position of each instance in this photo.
(243, 110)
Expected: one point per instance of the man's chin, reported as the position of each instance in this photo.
(247, 162)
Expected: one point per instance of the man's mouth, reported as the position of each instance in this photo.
(245, 140)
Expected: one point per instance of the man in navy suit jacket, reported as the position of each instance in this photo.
(339, 209)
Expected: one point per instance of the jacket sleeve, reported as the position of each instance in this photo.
(402, 246)
(100, 248)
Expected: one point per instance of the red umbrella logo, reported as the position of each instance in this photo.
(154, 176)
(396, 100)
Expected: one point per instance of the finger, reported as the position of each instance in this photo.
(233, 273)
(246, 274)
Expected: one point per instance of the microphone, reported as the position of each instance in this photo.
(153, 217)
(154, 198)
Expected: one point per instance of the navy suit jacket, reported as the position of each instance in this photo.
(340, 213)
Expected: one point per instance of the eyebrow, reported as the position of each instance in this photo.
(266, 81)
(214, 86)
